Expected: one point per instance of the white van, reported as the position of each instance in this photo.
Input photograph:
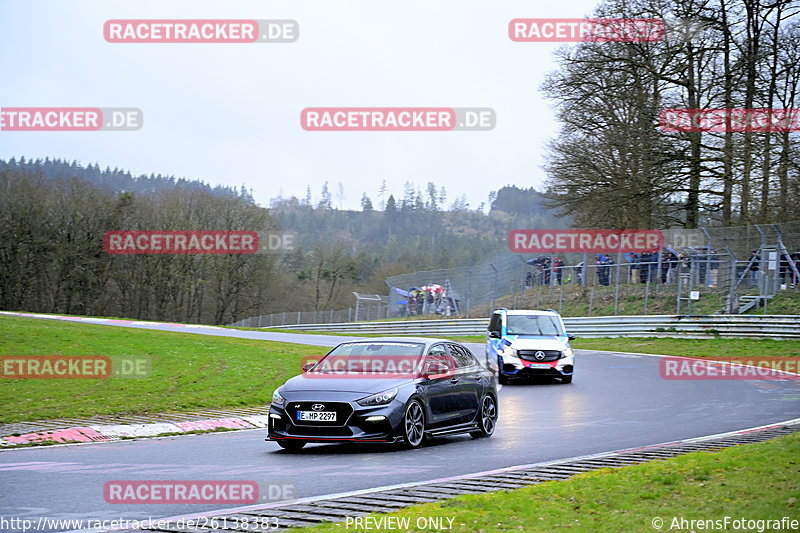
(524, 343)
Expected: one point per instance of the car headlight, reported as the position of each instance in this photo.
(380, 398)
(277, 399)
(509, 352)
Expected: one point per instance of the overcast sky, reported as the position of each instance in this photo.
(230, 113)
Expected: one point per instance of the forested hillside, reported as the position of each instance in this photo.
(111, 179)
(53, 216)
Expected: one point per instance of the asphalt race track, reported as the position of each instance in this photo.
(616, 401)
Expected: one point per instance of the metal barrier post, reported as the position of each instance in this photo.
(684, 279)
(469, 291)
(494, 286)
(616, 288)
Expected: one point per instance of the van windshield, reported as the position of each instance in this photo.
(533, 325)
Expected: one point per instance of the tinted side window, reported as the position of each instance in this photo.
(494, 324)
(462, 357)
(437, 349)
(471, 356)
(439, 354)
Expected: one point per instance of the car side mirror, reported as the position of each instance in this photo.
(308, 366)
(435, 368)
(494, 334)
(571, 337)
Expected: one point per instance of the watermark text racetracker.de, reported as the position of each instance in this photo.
(607, 30)
(730, 120)
(195, 491)
(70, 118)
(73, 367)
(584, 240)
(195, 242)
(180, 492)
(362, 366)
(397, 119)
(730, 368)
(200, 31)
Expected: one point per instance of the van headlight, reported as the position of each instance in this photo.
(382, 398)
(566, 353)
(509, 352)
(277, 399)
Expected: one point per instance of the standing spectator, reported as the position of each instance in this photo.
(684, 263)
(603, 269)
(635, 264)
(707, 262)
(599, 261)
(754, 267)
(654, 266)
(645, 261)
(579, 273)
(668, 262)
(558, 267)
(529, 279)
(546, 270)
(610, 262)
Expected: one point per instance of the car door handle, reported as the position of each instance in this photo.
(454, 381)
(477, 377)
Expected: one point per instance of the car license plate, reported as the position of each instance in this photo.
(317, 416)
(540, 365)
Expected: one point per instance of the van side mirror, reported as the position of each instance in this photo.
(308, 366)
(494, 334)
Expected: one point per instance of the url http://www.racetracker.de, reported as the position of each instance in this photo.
(43, 523)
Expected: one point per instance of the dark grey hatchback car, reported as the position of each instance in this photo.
(392, 390)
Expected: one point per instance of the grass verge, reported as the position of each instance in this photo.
(711, 347)
(188, 371)
(755, 482)
(694, 347)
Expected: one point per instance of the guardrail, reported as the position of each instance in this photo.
(754, 326)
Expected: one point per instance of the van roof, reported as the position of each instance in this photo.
(527, 312)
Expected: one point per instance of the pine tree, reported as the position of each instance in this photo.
(433, 199)
(340, 195)
(366, 203)
(391, 205)
(325, 201)
(382, 194)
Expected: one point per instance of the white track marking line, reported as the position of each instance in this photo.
(312, 499)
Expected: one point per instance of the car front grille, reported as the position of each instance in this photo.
(343, 411)
(530, 355)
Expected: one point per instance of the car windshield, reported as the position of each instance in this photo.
(372, 357)
(533, 325)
